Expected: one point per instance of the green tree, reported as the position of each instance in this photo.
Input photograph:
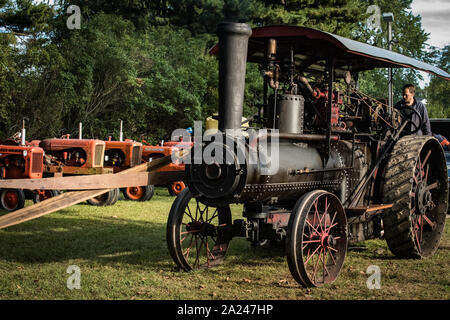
(336, 16)
(438, 90)
(409, 39)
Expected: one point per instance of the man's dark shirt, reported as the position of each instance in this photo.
(425, 129)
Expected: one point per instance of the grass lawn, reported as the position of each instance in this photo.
(122, 254)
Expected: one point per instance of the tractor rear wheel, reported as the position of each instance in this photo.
(143, 193)
(115, 196)
(415, 181)
(316, 239)
(102, 200)
(176, 187)
(197, 235)
(12, 199)
(41, 195)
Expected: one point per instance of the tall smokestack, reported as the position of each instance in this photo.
(233, 44)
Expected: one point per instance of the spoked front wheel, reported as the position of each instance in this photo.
(316, 239)
(197, 235)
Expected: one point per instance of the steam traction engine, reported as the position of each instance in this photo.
(332, 166)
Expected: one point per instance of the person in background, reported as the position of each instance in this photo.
(409, 100)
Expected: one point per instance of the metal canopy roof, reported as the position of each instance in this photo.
(312, 48)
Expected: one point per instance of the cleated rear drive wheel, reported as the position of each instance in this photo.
(316, 240)
(12, 199)
(176, 187)
(415, 181)
(143, 193)
(41, 195)
(197, 235)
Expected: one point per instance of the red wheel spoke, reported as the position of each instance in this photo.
(417, 241)
(215, 214)
(331, 226)
(311, 241)
(310, 256)
(426, 174)
(431, 223)
(324, 266)
(186, 253)
(426, 158)
(198, 248)
(331, 223)
(316, 213)
(190, 213)
(331, 255)
(188, 232)
(433, 186)
(307, 221)
(316, 265)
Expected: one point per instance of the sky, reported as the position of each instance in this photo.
(435, 16)
(435, 20)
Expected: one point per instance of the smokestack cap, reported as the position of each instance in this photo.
(234, 27)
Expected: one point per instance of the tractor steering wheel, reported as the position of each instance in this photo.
(409, 116)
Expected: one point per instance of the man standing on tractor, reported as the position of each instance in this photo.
(410, 102)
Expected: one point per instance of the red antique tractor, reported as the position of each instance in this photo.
(65, 157)
(20, 160)
(150, 153)
(121, 155)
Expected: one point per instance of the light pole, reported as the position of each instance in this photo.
(389, 18)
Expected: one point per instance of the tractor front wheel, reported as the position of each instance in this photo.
(197, 235)
(143, 193)
(176, 187)
(316, 240)
(12, 199)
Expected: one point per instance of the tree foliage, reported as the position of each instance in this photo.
(146, 61)
(438, 90)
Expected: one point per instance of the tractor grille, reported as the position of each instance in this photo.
(136, 156)
(99, 155)
(37, 163)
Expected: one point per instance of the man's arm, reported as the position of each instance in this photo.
(426, 127)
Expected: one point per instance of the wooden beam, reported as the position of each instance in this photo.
(71, 198)
(92, 182)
